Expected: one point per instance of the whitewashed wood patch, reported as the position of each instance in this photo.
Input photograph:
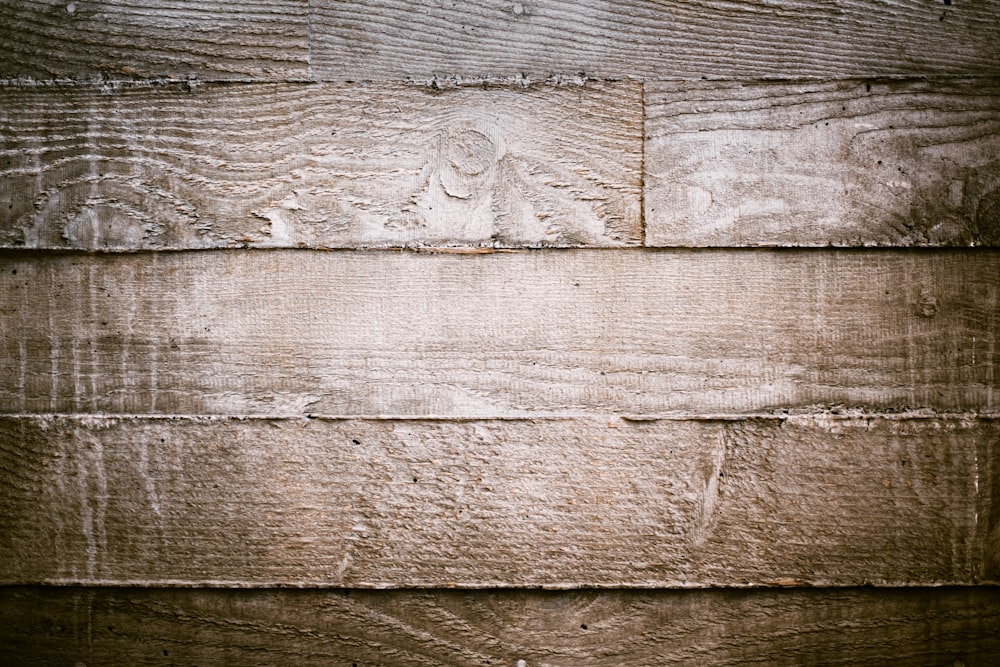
(154, 38)
(567, 332)
(175, 166)
(895, 163)
(919, 627)
(554, 503)
(652, 39)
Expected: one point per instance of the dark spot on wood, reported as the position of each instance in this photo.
(868, 87)
(356, 441)
(583, 626)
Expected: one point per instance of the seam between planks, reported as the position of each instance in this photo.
(788, 415)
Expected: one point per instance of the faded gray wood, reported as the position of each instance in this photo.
(815, 164)
(655, 39)
(287, 332)
(154, 38)
(943, 626)
(136, 166)
(555, 503)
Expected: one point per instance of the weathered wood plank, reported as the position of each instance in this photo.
(286, 332)
(142, 166)
(657, 39)
(815, 164)
(943, 626)
(154, 38)
(557, 503)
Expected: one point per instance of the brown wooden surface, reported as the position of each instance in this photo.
(824, 163)
(938, 626)
(293, 165)
(653, 39)
(288, 332)
(555, 503)
(118, 39)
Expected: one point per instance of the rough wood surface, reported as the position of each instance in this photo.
(943, 626)
(815, 164)
(173, 166)
(556, 503)
(656, 39)
(154, 38)
(285, 332)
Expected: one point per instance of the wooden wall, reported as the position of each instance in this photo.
(551, 332)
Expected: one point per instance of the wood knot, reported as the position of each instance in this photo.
(926, 305)
(468, 159)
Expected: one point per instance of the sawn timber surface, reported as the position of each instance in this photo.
(388, 333)
(182, 165)
(510, 503)
(889, 163)
(211, 39)
(653, 39)
(918, 627)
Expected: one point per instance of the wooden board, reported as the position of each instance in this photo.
(287, 332)
(114, 39)
(147, 167)
(816, 164)
(944, 626)
(653, 39)
(552, 503)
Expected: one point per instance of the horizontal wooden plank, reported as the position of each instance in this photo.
(553, 503)
(815, 164)
(286, 332)
(154, 38)
(943, 626)
(142, 167)
(656, 39)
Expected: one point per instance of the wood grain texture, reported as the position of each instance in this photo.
(654, 39)
(117, 39)
(287, 332)
(175, 166)
(943, 626)
(553, 503)
(814, 164)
